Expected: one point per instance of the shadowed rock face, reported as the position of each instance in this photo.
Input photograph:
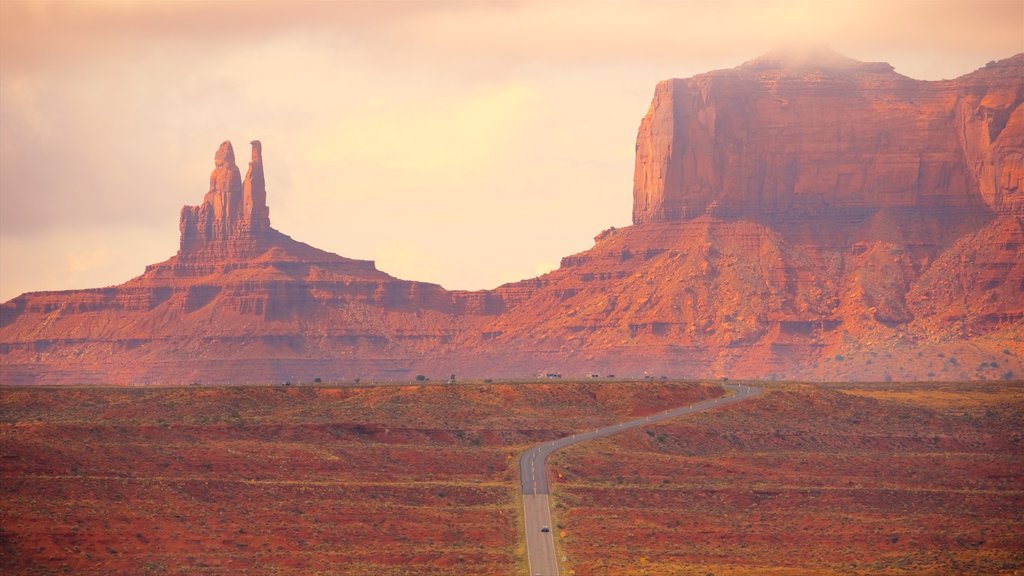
(800, 216)
(822, 136)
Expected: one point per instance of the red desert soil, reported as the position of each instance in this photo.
(405, 479)
(845, 479)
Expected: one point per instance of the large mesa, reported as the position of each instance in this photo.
(820, 135)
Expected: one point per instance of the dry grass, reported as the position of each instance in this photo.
(420, 480)
(807, 480)
(945, 396)
(399, 480)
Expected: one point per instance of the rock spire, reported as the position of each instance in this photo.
(234, 218)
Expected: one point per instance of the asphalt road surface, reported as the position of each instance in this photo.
(533, 477)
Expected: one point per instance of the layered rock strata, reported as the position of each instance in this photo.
(825, 136)
(240, 301)
(803, 216)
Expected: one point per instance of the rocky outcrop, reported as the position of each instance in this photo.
(234, 220)
(990, 121)
(822, 136)
(800, 216)
(239, 301)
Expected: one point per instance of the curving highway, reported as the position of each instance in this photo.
(533, 477)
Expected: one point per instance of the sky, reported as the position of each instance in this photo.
(468, 144)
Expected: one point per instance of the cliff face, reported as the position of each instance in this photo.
(823, 136)
(990, 122)
(802, 216)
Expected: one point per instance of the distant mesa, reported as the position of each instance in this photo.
(803, 215)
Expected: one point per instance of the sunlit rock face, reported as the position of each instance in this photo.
(799, 208)
(812, 135)
(239, 302)
(234, 219)
(803, 215)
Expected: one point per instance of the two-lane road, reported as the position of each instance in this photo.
(533, 478)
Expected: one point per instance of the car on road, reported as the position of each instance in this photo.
(545, 529)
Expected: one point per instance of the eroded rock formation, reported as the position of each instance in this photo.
(234, 220)
(826, 136)
(808, 216)
(803, 216)
(240, 301)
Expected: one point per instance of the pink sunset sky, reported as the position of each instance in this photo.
(464, 143)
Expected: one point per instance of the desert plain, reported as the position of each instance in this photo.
(420, 479)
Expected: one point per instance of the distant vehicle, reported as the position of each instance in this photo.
(545, 529)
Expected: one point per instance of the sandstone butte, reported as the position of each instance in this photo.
(798, 216)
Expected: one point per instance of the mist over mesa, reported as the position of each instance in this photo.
(434, 139)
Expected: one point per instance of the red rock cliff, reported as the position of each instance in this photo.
(799, 216)
(819, 134)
